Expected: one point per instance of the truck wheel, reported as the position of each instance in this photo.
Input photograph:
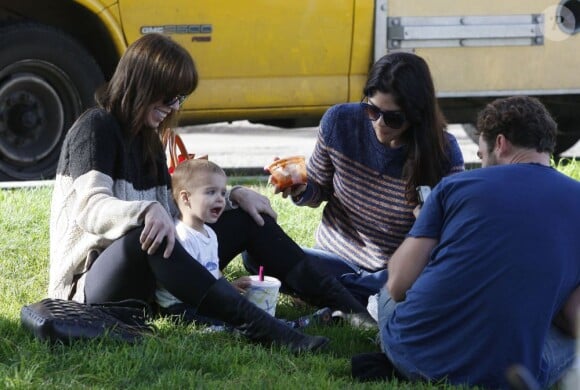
(46, 80)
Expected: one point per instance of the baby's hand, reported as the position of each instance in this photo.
(242, 284)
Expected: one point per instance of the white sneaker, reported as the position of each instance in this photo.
(372, 306)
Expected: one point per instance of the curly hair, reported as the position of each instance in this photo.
(523, 120)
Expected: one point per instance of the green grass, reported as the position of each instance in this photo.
(570, 167)
(177, 356)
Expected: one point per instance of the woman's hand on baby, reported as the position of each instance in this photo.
(158, 226)
(241, 284)
(253, 203)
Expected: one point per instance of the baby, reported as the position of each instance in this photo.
(199, 189)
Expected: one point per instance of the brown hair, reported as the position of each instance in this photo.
(154, 67)
(523, 120)
(187, 173)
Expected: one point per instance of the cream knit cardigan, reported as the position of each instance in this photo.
(102, 190)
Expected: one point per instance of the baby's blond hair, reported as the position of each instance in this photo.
(187, 172)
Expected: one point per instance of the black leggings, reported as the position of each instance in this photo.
(125, 271)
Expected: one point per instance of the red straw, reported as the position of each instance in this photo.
(261, 274)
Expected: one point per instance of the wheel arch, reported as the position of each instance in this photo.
(89, 22)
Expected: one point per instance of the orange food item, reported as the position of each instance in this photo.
(287, 172)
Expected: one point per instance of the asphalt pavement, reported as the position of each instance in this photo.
(247, 147)
(243, 148)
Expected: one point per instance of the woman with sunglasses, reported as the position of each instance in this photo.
(368, 160)
(112, 235)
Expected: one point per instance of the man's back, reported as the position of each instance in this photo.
(508, 254)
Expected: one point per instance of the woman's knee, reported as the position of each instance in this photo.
(120, 272)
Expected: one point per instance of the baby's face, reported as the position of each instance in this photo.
(206, 200)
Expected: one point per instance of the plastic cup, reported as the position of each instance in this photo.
(288, 172)
(264, 294)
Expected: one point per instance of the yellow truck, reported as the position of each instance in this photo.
(274, 60)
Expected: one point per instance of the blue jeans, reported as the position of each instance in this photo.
(559, 349)
(360, 282)
(559, 352)
(386, 308)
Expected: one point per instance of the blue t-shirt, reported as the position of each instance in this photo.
(507, 259)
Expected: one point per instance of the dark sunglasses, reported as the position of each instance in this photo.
(393, 119)
(171, 101)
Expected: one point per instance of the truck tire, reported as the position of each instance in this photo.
(46, 80)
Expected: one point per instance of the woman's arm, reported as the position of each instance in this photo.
(320, 171)
(98, 211)
(99, 183)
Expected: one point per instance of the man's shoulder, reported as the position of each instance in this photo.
(513, 174)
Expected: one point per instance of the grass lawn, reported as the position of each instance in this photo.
(177, 356)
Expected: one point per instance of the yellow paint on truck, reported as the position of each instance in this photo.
(267, 60)
(553, 66)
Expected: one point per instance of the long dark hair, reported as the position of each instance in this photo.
(407, 78)
(154, 67)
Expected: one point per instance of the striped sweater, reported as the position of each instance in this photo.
(366, 216)
(102, 190)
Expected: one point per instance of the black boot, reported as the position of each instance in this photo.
(324, 290)
(223, 302)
